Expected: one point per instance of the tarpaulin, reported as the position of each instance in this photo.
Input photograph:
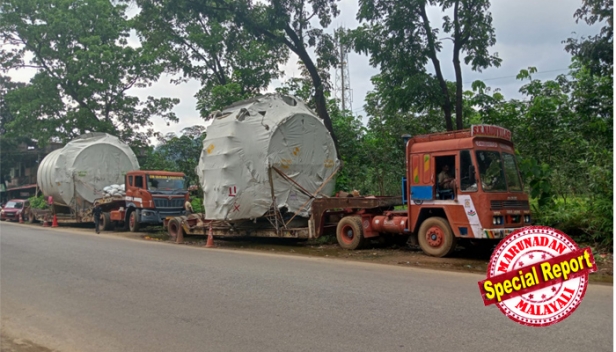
(248, 138)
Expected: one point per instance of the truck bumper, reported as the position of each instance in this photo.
(497, 233)
(148, 216)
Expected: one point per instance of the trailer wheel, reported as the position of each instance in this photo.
(133, 223)
(436, 238)
(174, 228)
(107, 223)
(349, 233)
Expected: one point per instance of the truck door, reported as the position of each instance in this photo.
(134, 186)
(422, 179)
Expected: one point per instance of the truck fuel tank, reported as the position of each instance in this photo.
(389, 224)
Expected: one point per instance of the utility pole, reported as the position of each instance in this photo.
(342, 77)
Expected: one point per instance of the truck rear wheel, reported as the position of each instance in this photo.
(107, 224)
(436, 238)
(349, 233)
(133, 222)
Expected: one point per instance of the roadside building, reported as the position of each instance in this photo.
(20, 180)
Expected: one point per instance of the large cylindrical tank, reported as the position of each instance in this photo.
(83, 167)
(249, 137)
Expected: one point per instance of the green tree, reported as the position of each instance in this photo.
(563, 132)
(228, 62)
(283, 22)
(84, 69)
(177, 153)
(401, 41)
(595, 52)
(8, 145)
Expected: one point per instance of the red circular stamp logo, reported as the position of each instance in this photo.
(537, 276)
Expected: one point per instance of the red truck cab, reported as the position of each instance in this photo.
(151, 196)
(483, 201)
(486, 200)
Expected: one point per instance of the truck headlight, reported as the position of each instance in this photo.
(497, 220)
(527, 219)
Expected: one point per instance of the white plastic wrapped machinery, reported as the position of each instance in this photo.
(84, 167)
(249, 136)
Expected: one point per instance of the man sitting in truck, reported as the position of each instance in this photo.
(445, 181)
(188, 207)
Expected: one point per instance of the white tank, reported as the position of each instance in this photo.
(247, 138)
(83, 167)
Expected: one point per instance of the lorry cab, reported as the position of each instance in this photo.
(151, 196)
(470, 180)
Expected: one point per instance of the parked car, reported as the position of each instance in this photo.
(13, 208)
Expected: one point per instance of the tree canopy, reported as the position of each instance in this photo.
(400, 39)
(84, 68)
(287, 23)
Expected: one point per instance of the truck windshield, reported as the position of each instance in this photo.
(491, 171)
(511, 171)
(165, 183)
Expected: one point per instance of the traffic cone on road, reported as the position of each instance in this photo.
(21, 218)
(210, 239)
(55, 221)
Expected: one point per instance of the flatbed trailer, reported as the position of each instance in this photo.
(325, 215)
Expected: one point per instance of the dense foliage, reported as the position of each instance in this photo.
(84, 67)
(177, 153)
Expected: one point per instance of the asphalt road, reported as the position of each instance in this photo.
(76, 292)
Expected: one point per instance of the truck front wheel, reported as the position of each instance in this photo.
(174, 229)
(133, 222)
(349, 233)
(436, 238)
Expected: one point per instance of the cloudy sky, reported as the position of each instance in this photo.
(528, 33)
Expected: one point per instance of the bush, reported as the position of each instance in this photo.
(584, 219)
(38, 202)
(197, 204)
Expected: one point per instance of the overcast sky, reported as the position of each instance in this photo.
(528, 33)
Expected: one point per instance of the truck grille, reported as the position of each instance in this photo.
(509, 204)
(169, 203)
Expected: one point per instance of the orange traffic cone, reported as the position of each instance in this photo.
(210, 239)
(21, 218)
(55, 221)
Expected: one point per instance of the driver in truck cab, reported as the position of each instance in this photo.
(445, 181)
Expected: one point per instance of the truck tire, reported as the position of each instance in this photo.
(173, 229)
(133, 222)
(436, 237)
(106, 223)
(349, 233)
